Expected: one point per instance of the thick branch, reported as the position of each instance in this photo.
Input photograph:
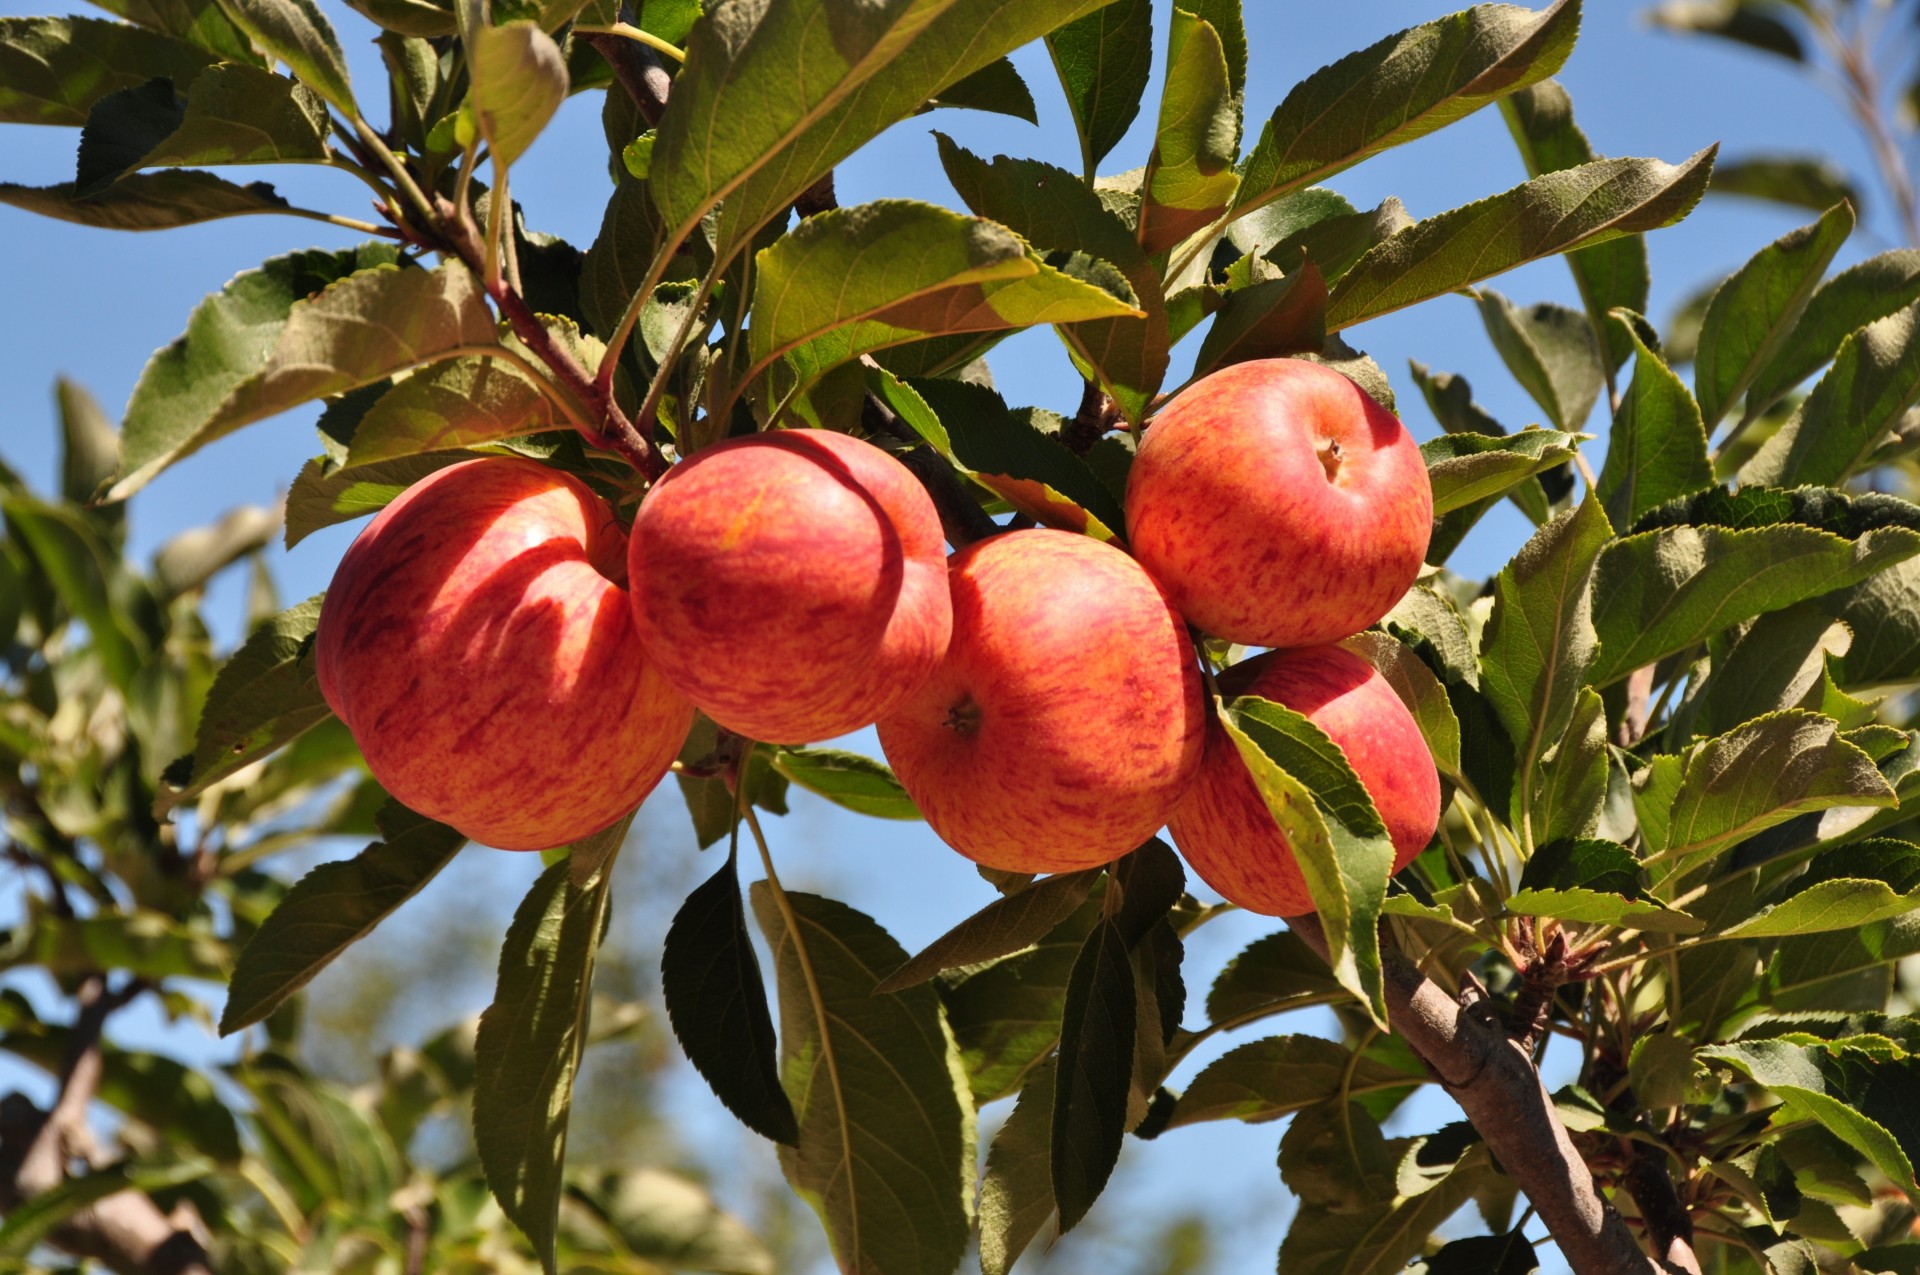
(1094, 418)
(961, 517)
(1496, 1084)
(639, 71)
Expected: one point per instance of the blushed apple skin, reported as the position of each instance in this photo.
(793, 585)
(1224, 830)
(1279, 505)
(487, 667)
(1067, 719)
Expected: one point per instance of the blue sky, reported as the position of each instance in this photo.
(94, 305)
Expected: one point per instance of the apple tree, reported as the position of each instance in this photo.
(1672, 739)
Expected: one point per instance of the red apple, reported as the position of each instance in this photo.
(1067, 718)
(1279, 505)
(477, 642)
(793, 584)
(1224, 829)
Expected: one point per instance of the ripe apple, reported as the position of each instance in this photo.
(1224, 829)
(1066, 720)
(793, 584)
(1279, 505)
(478, 643)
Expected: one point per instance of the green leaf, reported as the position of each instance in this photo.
(1853, 298)
(198, 22)
(1335, 244)
(1730, 558)
(1863, 1100)
(1404, 87)
(357, 331)
(188, 560)
(1268, 319)
(1761, 774)
(748, 130)
(1335, 833)
(33, 1222)
(232, 114)
(325, 495)
(262, 697)
(1610, 274)
(1594, 882)
(717, 1001)
(1539, 637)
(423, 18)
(853, 280)
(1657, 447)
(1847, 888)
(52, 70)
(450, 405)
(1874, 379)
(1752, 313)
(1883, 612)
(857, 783)
(1051, 209)
(1469, 469)
(1734, 20)
(886, 1150)
(1418, 689)
(1803, 972)
(1272, 974)
(1382, 1237)
(662, 1217)
(297, 33)
(528, 1050)
(1813, 182)
(1190, 178)
(519, 80)
(148, 201)
(1551, 214)
(89, 443)
(1104, 60)
(1093, 1073)
(1572, 785)
(1267, 1079)
(995, 87)
(89, 578)
(1009, 925)
(331, 908)
(1016, 1191)
(1551, 351)
(1485, 1255)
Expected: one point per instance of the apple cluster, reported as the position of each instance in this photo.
(516, 664)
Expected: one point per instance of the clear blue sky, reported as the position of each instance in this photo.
(94, 305)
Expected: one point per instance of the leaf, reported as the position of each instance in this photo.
(1104, 60)
(1847, 888)
(995, 87)
(1874, 379)
(33, 1222)
(747, 130)
(519, 80)
(232, 114)
(333, 907)
(1190, 178)
(1864, 1101)
(662, 1217)
(1382, 1238)
(1539, 637)
(1049, 208)
(1610, 274)
(1595, 882)
(447, 406)
(1551, 351)
(1734, 20)
(857, 783)
(148, 201)
(1773, 665)
(1883, 613)
(357, 331)
(426, 19)
(1016, 1191)
(297, 33)
(1851, 299)
(1761, 774)
(1004, 927)
(188, 560)
(1303, 777)
(1418, 689)
(1803, 972)
(198, 22)
(1093, 1073)
(1697, 566)
(1555, 213)
(1572, 785)
(1403, 87)
(88, 577)
(1335, 244)
(886, 1153)
(325, 495)
(1466, 469)
(717, 1002)
(1752, 313)
(528, 1050)
(1510, 1254)
(1273, 973)
(853, 280)
(1267, 1079)
(1265, 320)
(52, 70)
(1657, 447)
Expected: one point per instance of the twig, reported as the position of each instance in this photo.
(637, 67)
(1094, 418)
(1645, 1178)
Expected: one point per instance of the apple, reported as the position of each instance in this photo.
(1224, 829)
(792, 584)
(1279, 505)
(478, 644)
(1067, 718)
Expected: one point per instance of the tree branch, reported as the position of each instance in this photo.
(639, 71)
(1496, 1084)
